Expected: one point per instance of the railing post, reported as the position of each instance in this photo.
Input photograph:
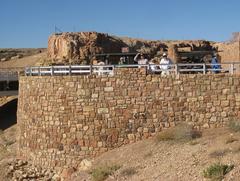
(176, 68)
(113, 67)
(91, 70)
(231, 68)
(204, 68)
(70, 70)
(52, 70)
(39, 71)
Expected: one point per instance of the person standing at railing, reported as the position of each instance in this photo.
(140, 59)
(215, 65)
(99, 69)
(165, 64)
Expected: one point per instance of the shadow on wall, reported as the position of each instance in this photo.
(8, 114)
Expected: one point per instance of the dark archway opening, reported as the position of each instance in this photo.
(8, 114)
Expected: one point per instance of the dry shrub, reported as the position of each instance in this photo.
(231, 139)
(193, 142)
(147, 155)
(128, 172)
(101, 173)
(219, 153)
(181, 132)
(217, 171)
(234, 126)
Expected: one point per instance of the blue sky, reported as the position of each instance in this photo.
(28, 23)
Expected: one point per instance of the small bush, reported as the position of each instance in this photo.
(101, 173)
(234, 126)
(149, 154)
(9, 142)
(219, 153)
(193, 142)
(231, 140)
(166, 135)
(217, 171)
(181, 132)
(128, 172)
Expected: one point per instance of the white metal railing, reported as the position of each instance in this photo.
(153, 68)
(70, 70)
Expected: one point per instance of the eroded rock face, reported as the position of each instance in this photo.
(80, 47)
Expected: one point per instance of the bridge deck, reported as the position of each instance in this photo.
(9, 81)
(9, 93)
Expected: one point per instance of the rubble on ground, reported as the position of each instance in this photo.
(25, 171)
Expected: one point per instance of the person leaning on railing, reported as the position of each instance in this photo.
(153, 66)
(215, 65)
(164, 65)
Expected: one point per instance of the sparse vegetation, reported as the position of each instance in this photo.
(9, 142)
(219, 153)
(234, 126)
(181, 132)
(217, 171)
(231, 139)
(128, 172)
(193, 142)
(101, 173)
(149, 154)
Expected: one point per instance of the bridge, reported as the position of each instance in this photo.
(9, 81)
(9, 77)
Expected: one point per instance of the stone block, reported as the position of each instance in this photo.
(108, 89)
(88, 108)
(103, 110)
(131, 136)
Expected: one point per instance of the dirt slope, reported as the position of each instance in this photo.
(25, 61)
(150, 160)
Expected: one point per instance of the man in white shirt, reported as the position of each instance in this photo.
(140, 60)
(164, 64)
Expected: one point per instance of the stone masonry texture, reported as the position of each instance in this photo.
(64, 119)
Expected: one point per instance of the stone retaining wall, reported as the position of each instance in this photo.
(64, 119)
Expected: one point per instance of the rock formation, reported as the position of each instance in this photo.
(79, 48)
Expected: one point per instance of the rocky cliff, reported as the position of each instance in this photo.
(80, 47)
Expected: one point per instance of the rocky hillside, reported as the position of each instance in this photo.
(31, 60)
(11, 53)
